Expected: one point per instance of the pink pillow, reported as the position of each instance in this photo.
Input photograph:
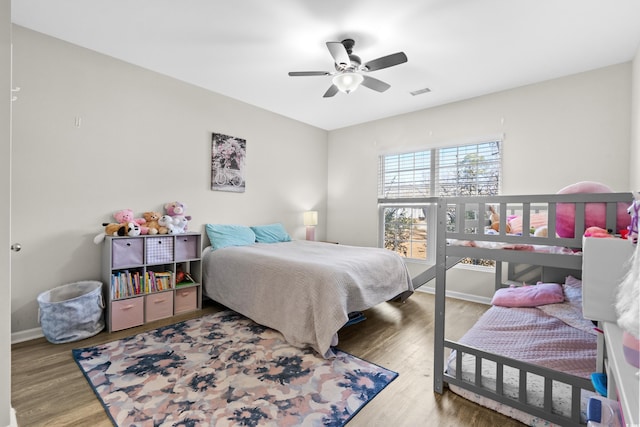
(528, 296)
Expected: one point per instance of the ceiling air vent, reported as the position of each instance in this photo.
(420, 91)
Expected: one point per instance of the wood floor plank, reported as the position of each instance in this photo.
(48, 388)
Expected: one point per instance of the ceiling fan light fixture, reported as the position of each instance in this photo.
(347, 82)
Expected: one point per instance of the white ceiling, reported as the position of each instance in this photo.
(244, 48)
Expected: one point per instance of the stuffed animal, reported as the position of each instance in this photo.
(166, 221)
(132, 230)
(111, 229)
(596, 232)
(628, 310)
(494, 217)
(542, 231)
(152, 224)
(179, 224)
(594, 213)
(632, 229)
(177, 210)
(125, 216)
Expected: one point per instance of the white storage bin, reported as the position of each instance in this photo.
(71, 312)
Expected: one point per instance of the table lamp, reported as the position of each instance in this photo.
(310, 221)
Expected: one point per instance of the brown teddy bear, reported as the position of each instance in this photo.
(152, 223)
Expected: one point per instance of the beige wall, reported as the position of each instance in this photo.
(555, 133)
(144, 140)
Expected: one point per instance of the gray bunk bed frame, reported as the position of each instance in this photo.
(447, 255)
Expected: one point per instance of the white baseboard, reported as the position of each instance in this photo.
(457, 295)
(30, 334)
(13, 422)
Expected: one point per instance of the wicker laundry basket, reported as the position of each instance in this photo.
(71, 312)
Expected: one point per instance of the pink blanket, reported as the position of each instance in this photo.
(532, 336)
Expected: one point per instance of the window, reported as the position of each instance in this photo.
(405, 180)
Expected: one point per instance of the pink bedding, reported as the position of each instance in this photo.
(553, 335)
(513, 246)
(530, 335)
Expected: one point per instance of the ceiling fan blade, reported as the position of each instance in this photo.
(309, 73)
(375, 84)
(339, 53)
(386, 61)
(331, 91)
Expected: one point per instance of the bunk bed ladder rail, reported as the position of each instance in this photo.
(545, 412)
(441, 273)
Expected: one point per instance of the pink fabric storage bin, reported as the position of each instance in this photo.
(159, 249)
(127, 313)
(126, 252)
(186, 247)
(158, 306)
(186, 300)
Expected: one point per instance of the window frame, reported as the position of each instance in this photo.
(428, 201)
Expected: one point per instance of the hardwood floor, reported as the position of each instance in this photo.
(48, 388)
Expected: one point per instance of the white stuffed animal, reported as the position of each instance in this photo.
(179, 225)
(167, 222)
(628, 298)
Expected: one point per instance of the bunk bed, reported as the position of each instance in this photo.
(495, 375)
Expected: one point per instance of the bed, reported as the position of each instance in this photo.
(530, 363)
(304, 289)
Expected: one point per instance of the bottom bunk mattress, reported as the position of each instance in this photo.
(554, 336)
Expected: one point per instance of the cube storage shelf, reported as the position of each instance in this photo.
(139, 276)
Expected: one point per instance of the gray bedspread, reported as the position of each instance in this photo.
(301, 288)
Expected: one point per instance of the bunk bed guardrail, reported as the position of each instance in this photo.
(551, 377)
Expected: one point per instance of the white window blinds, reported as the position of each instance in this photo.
(464, 170)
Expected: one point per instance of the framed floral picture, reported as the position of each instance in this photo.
(228, 156)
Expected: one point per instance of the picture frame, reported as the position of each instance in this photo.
(228, 156)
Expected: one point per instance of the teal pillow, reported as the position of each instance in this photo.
(223, 235)
(271, 233)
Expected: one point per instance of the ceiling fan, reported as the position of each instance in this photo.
(350, 72)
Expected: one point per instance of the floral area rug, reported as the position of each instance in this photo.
(225, 370)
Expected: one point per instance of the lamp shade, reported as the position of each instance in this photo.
(347, 82)
(311, 218)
